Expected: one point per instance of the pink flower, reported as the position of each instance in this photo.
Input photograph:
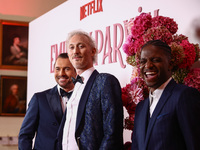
(158, 33)
(177, 53)
(179, 38)
(197, 50)
(132, 94)
(138, 44)
(143, 29)
(141, 24)
(128, 47)
(135, 72)
(169, 23)
(138, 90)
(193, 79)
(132, 46)
(130, 24)
(125, 96)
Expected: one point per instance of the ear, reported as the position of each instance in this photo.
(93, 51)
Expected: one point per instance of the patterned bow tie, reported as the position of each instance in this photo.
(64, 93)
(78, 79)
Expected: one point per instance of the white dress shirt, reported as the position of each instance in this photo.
(155, 96)
(69, 141)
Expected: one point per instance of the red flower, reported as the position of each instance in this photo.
(141, 24)
(143, 29)
(190, 54)
(169, 23)
(132, 94)
(193, 79)
(158, 33)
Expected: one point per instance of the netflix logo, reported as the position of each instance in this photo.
(109, 42)
(90, 8)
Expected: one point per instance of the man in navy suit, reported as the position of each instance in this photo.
(45, 110)
(94, 116)
(170, 118)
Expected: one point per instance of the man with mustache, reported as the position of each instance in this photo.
(169, 118)
(46, 109)
(94, 118)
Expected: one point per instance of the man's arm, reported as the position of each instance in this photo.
(112, 109)
(189, 117)
(29, 125)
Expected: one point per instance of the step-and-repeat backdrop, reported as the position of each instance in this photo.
(106, 21)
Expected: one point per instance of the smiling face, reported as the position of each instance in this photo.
(155, 66)
(63, 71)
(80, 53)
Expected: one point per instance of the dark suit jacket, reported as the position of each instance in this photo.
(43, 117)
(175, 122)
(99, 123)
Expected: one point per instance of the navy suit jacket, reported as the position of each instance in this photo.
(99, 123)
(175, 122)
(42, 118)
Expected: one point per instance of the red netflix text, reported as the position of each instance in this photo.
(109, 44)
(90, 8)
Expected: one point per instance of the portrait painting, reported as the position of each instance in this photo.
(14, 45)
(13, 95)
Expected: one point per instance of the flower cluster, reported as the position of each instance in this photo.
(193, 79)
(143, 29)
(132, 94)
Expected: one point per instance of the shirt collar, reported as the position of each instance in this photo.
(86, 74)
(157, 93)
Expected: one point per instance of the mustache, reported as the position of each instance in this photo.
(76, 55)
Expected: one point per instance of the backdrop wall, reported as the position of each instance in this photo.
(106, 22)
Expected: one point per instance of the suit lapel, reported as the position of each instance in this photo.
(143, 124)
(163, 99)
(53, 99)
(84, 98)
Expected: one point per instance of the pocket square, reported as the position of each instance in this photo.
(161, 115)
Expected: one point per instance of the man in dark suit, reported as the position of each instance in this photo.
(170, 118)
(94, 116)
(45, 110)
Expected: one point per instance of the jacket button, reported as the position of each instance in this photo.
(54, 123)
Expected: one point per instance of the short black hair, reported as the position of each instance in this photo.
(165, 47)
(62, 55)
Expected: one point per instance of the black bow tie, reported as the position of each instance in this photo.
(64, 93)
(78, 79)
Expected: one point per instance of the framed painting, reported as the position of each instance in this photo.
(13, 45)
(13, 95)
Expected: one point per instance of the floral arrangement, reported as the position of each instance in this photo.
(184, 54)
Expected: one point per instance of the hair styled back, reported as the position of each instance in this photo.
(91, 42)
(62, 55)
